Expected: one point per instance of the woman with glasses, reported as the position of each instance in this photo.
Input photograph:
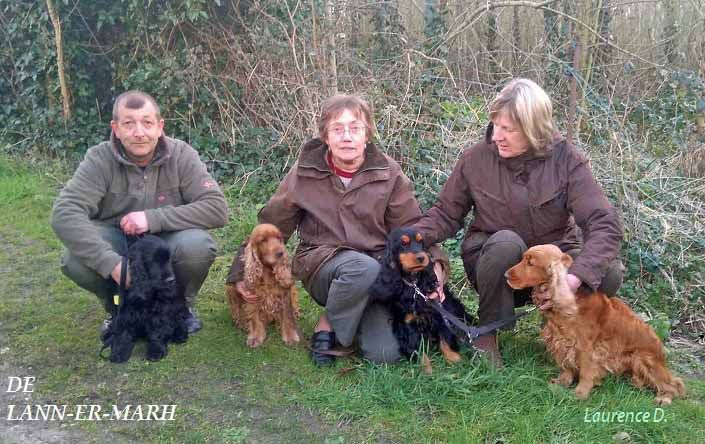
(343, 196)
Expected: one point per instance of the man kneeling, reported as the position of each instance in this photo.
(138, 182)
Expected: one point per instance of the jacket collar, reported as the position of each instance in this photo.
(313, 156)
(164, 149)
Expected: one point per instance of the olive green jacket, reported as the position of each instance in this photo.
(175, 191)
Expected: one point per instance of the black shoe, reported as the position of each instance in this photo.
(193, 324)
(322, 341)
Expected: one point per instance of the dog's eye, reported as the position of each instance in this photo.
(419, 238)
(405, 239)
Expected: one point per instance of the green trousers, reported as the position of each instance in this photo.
(192, 251)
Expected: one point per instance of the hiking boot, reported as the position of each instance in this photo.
(322, 341)
(487, 346)
(193, 324)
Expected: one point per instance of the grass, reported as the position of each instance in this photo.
(228, 393)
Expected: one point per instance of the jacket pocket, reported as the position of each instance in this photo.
(492, 212)
(550, 214)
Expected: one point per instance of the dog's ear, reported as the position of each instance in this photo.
(253, 265)
(390, 257)
(139, 266)
(282, 272)
(566, 260)
(162, 256)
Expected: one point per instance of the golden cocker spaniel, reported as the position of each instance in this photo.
(591, 334)
(271, 295)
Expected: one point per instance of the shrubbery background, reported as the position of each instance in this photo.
(242, 81)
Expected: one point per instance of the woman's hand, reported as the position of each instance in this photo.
(246, 294)
(438, 293)
(573, 282)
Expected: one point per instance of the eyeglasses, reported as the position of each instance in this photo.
(355, 130)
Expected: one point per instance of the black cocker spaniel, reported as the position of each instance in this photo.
(404, 280)
(153, 307)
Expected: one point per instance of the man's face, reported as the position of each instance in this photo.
(139, 131)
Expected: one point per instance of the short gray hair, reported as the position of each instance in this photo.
(134, 99)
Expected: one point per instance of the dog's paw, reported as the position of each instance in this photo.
(564, 379)
(254, 341)
(291, 337)
(582, 393)
(155, 352)
(664, 400)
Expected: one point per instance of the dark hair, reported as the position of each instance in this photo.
(337, 104)
(134, 99)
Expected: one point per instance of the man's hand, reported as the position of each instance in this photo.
(438, 293)
(115, 274)
(134, 223)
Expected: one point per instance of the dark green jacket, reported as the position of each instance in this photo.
(175, 191)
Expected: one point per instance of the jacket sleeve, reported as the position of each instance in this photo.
(403, 210)
(73, 211)
(281, 209)
(454, 202)
(205, 205)
(599, 222)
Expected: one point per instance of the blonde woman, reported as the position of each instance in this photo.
(525, 185)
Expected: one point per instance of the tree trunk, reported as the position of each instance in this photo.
(670, 28)
(332, 62)
(492, 65)
(603, 52)
(60, 69)
(516, 40)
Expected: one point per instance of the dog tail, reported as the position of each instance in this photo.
(651, 371)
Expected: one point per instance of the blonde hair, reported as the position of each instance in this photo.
(528, 105)
(337, 104)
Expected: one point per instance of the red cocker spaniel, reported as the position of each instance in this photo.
(591, 334)
(268, 278)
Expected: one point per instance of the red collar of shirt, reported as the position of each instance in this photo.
(336, 170)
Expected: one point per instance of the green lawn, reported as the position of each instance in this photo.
(226, 392)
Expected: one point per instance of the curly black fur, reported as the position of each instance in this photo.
(153, 307)
(413, 319)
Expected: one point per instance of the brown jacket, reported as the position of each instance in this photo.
(540, 197)
(330, 217)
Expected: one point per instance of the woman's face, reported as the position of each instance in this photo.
(346, 137)
(508, 136)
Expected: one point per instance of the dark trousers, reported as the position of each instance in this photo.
(341, 287)
(485, 268)
(192, 251)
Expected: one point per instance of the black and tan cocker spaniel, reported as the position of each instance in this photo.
(404, 281)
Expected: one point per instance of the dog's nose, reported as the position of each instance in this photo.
(279, 254)
(420, 258)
